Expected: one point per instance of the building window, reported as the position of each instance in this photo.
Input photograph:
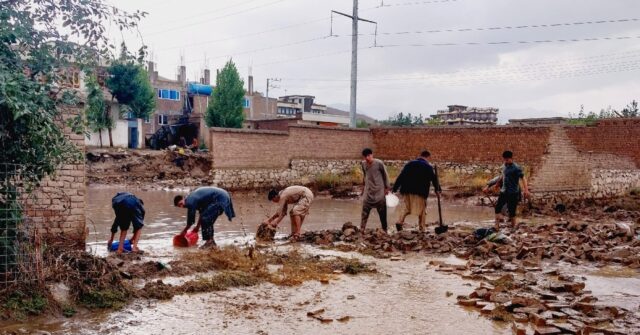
(245, 103)
(147, 119)
(163, 119)
(169, 94)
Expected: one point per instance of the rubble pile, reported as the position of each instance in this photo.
(513, 285)
(525, 246)
(546, 302)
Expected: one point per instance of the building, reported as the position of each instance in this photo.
(257, 106)
(171, 95)
(463, 115)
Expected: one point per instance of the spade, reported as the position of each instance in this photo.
(442, 228)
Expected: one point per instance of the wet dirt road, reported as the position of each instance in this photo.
(405, 297)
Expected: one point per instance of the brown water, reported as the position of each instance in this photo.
(163, 220)
(405, 297)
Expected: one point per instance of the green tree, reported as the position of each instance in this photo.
(129, 84)
(98, 118)
(43, 44)
(362, 124)
(404, 120)
(225, 107)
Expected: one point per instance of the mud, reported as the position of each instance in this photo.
(148, 167)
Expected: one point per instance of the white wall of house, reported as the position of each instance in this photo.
(120, 133)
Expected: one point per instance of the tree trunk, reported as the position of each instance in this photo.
(109, 129)
(100, 134)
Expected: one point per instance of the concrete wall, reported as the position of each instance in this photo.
(119, 134)
(57, 208)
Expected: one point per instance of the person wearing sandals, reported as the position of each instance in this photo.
(298, 196)
(210, 202)
(129, 209)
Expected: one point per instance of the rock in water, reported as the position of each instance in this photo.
(265, 233)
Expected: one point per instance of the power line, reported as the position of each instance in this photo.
(265, 48)
(570, 40)
(463, 30)
(248, 34)
(210, 11)
(216, 17)
(415, 3)
(548, 66)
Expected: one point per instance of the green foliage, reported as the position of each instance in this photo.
(96, 113)
(129, 83)
(362, 124)
(43, 46)
(22, 304)
(225, 107)
(434, 122)
(68, 311)
(404, 120)
(104, 298)
(589, 118)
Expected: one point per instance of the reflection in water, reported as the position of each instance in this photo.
(163, 220)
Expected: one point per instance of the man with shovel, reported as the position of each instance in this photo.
(414, 184)
(210, 202)
(512, 176)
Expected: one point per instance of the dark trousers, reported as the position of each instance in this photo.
(509, 199)
(207, 218)
(381, 207)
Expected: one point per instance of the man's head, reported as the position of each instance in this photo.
(368, 155)
(274, 196)
(425, 154)
(508, 157)
(178, 201)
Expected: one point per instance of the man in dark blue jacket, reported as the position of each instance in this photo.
(414, 184)
(128, 209)
(210, 202)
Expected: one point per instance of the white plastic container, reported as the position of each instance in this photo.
(392, 200)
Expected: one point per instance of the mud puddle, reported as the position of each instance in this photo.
(163, 220)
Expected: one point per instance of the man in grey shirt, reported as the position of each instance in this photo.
(376, 186)
(210, 202)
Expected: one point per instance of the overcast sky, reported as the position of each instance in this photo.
(428, 54)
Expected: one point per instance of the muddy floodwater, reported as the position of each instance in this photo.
(405, 296)
(163, 220)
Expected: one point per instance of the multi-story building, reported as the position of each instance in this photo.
(463, 115)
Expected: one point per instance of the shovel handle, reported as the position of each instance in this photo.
(438, 197)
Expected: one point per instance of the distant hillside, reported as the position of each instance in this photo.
(365, 118)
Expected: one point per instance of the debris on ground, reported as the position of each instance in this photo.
(265, 233)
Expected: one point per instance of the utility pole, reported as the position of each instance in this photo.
(354, 60)
(269, 82)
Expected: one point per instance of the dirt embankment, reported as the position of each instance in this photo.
(163, 168)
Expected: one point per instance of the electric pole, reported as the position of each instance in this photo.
(269, 85)
(354, 60)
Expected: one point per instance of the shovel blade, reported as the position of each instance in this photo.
(442, 229)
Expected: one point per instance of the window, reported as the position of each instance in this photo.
(163, 119)
(246, 103)
(169, 94)
(147, 119)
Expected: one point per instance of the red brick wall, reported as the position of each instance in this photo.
(279, 125)
(462, 144)
(243, 148)
(614, 136)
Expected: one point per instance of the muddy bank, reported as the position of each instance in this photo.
(161, 168)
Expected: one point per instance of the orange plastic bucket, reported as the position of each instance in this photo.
(185, 241)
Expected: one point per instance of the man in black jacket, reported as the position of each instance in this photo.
(414, 183)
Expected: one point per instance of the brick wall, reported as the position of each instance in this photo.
(57, 208)
(462, 144)
(242, 148)
(620, 137)
(277, 124)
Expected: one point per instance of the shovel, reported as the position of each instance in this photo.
(442, 228)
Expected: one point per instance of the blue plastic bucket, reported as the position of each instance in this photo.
(127, 245)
